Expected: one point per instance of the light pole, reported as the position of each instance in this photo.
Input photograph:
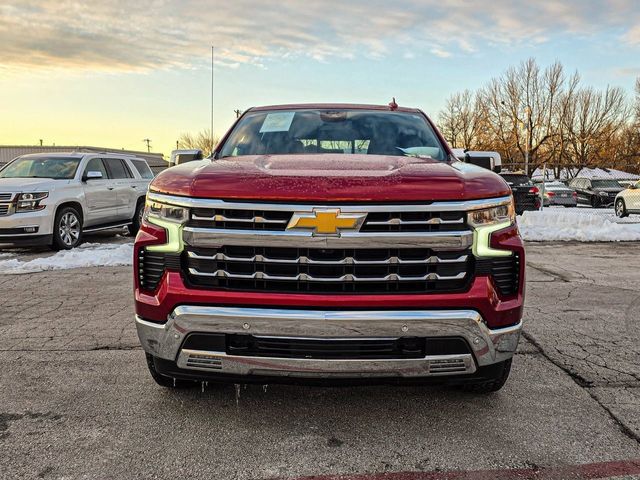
(528, 140)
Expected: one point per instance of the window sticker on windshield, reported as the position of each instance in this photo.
(277, 122)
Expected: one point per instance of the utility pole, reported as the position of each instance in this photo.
(212, 79)
(528, 140)
(177, 145)
(238, 113)
(148, 142)
(40, 142)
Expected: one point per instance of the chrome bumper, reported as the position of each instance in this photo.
(488, 345)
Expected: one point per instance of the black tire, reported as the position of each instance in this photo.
(137, 219)
(67, 229)
(163, 380)
(490, 386)
(595, 202)
(621, 209)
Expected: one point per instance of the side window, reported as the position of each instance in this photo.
(142, 168)
(96, 165)
(117, 168)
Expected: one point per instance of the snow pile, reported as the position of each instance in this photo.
(595, 173)
(566, 225)
(87, 255)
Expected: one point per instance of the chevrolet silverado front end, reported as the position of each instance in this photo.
(334, 243)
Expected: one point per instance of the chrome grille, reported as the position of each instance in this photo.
(447, 365)
(4, 209)
(6, 197)
(379, 221)
(328, 248)
(240, 219)
(203, 361)
(414, 222)
(328, 270)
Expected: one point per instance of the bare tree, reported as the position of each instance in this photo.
(461, 120)
(522, 109)
(592, 122)
(536, 116)
(201, 140)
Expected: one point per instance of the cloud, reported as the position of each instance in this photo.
(116, 35)
(439, 52)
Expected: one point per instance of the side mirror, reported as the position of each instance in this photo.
(92, 175)
(489, 160)
(183, 156)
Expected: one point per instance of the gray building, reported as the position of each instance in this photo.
(8, 152)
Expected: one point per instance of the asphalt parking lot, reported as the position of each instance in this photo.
(76, 400)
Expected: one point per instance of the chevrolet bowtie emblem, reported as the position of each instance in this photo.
(326, 221)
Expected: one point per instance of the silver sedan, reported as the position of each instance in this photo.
(557, 193)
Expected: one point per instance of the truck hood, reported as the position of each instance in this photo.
(330, 178)
(28, 184)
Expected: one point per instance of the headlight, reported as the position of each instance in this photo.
(492, 216)
(167, 212)
(29, 202)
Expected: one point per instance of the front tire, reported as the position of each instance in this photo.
(490, 386)
(136, 221)
(163, 380)
(595, 202)
(67, 229)
(621, 209)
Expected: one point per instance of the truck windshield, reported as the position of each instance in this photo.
(333, 132)
(57, 168)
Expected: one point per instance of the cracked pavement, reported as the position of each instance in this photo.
(77, 402)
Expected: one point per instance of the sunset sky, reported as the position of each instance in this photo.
(111, 73)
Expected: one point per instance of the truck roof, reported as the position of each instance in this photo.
(76, 154)
(338, 106)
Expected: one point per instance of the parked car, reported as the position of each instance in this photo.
(53, 198)
(525, 193)
(557, 193)
(596, 192)
(628, 200)
(322, 243)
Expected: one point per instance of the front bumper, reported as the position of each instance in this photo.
(26, 229)
(487, 346)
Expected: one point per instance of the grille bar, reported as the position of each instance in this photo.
(224, 218)
(6, 197)
(431, 221)
(217, 237)
(433, 259)
(392, 277)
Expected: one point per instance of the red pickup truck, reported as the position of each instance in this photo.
(330, 243)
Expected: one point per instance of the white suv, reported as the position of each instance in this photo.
(628, 201)
(53, 198)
